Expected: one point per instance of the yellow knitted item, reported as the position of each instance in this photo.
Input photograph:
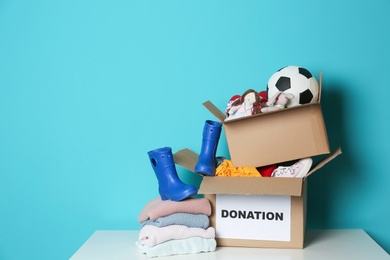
(226, 168)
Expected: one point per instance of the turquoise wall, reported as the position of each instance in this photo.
(87, 88)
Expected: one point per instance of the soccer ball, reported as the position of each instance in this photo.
(297, 81)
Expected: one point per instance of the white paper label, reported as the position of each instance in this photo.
(254, 217)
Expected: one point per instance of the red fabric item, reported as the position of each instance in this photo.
(267, 170)
(263, 96)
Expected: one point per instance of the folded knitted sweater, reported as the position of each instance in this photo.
(185, 219)
(157, 208)
(192, 245)
(152, 235)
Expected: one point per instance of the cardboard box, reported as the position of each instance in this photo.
(255, 211)
(275, 137)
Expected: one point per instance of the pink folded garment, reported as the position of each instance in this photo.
(157, 208)
(152, 235)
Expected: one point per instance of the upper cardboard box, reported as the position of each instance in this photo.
(275, 137)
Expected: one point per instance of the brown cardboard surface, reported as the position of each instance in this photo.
(276, 137)
(320, 87)
(186, 158)
(251, 185)
(329, 158)
(214, 110)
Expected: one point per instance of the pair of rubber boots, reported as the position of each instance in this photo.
(170, 186)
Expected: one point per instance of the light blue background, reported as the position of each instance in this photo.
(87, 88)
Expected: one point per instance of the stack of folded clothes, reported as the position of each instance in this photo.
(176, 227)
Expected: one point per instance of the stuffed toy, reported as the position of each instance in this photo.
(230, 102)
(277, 102)
(249, 103)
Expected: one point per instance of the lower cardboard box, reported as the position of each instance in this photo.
(255, 211)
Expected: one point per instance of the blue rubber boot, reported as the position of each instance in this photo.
(207, 162)
(170, 186)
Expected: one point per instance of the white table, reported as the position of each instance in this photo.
(347, 244)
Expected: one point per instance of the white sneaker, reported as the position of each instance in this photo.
(297, 170)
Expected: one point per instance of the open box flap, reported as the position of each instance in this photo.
(186, 158)
(320, 164)
(320, 88)
(214, 110)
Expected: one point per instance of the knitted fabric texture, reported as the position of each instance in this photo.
(157, 208)
(152, 235)
(185, 219)
(226, 168)
(192, 245)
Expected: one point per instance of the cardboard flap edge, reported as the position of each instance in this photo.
(320, 164)
(320, 87)
(186, 158)
(214, 110)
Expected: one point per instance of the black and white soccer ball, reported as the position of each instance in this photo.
(297, 81)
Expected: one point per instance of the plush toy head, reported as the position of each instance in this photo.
(280, 98)
(278, 101)
(230, 102)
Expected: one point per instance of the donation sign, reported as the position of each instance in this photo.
(254, 217)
